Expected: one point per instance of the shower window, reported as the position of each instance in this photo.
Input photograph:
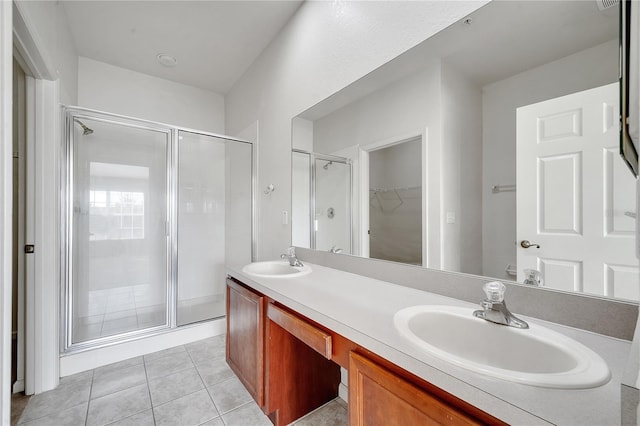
(116, 215)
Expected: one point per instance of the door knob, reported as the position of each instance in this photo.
(527, 244)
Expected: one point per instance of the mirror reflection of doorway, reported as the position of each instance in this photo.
(395, 202)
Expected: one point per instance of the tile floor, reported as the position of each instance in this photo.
(185, 385)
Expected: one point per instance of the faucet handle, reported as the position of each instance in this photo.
(494, 291)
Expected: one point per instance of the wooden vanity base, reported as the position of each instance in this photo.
(301, 371)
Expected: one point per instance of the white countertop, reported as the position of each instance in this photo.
(362, 309)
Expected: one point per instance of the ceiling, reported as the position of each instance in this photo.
(214, 42)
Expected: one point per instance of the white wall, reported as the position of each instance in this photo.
(590, 68)
(461, 172)
(325, 47)
(403, 109)
(405, 106)
(50, 29)
(118, 90)
(302, 134)
(396, 166)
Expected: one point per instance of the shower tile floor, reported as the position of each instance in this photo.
(184, 385)
(119, 310)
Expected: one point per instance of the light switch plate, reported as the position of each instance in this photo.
(451, 217)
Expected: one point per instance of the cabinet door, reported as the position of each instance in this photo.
(300, 375)
(245, 337)
(380, 397)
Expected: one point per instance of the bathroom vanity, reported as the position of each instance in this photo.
(287, 338)
(290, 365)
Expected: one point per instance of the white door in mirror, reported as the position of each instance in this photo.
(573, 192)
(535, 356)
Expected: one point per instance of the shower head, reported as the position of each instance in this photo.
(326, 166)
(85, 130)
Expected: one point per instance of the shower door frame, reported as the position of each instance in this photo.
(313, 156)
(67, 215)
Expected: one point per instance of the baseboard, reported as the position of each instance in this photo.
(18, 386)
(343, 392)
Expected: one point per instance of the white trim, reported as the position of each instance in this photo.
(42, 284)
(251, 134)
(47, 222)
(19, 384)
(29, 45)
(431, 249)
(364, 202)
(29, 283)
(43, 150)
(6, 206)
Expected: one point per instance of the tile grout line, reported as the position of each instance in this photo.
(148, 392)
(167, 356)
(205, 385)
(146, 376)
(86, 416)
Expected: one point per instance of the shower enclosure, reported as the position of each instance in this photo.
(151, 215)
(321, 202)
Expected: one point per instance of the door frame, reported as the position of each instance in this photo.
(41, 346)
(428, 250)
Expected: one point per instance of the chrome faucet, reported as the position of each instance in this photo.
(532, 277)
(495, 308)
(290, 255)
(335, 249)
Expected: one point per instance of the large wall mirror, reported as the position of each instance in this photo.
(491, 148)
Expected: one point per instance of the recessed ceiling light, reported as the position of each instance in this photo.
(167, 60)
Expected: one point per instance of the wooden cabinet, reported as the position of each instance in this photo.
(291, 366)
(245, 337)
(282, 359)
(378, 396)
(300, 373)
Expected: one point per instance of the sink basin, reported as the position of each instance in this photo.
(275, 269)
(535, 356)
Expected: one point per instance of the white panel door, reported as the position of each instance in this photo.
(573, 193)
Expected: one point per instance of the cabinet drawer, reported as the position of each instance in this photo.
(313, 337)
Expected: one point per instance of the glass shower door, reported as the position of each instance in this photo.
(300, 199)
(214, 221)
(332, 201)
(119, 243)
